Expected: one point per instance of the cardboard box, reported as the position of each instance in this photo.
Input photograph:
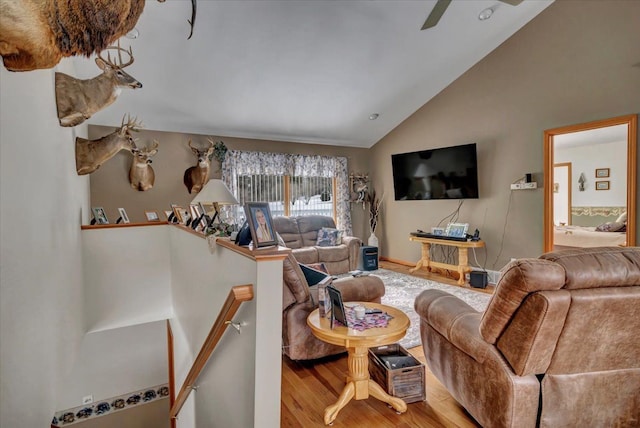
(397, 372)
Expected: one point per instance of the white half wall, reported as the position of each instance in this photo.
(127, 276)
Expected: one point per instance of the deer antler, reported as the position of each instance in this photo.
(211, 142)
(190, 146)
(131, 125)
(119, 65)
(155, 144)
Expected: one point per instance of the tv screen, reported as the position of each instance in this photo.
(444, 173)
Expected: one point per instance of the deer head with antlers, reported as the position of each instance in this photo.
(196, 176)
(141, 175)
(91, 154)
(77, 100)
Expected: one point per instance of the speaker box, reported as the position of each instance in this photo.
(368, 259)
(478, 279)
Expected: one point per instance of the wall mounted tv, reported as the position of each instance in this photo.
(443, 173)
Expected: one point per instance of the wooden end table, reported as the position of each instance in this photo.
(358, 384)
(463, 255)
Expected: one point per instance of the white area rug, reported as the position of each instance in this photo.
(401, 291)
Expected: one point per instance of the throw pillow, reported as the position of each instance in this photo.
(611, 226)
(328, 237)
(622, 218)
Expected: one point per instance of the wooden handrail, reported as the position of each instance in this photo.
(237, 295)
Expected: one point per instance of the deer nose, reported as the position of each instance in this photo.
(149, 161)
(136, 85)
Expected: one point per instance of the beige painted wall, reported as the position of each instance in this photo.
(576, 62)
(110, 186)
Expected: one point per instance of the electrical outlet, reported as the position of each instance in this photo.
(516, 186)
(87, 399)
(532, 185)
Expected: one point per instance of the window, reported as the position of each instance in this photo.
(288, 196)
(292, 184)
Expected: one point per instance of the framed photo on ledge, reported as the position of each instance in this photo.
(457, 230)
(99, 215)
(261, 224)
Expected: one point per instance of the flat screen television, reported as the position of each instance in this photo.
(443, 173)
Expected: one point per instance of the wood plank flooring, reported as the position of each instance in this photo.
(309, 387)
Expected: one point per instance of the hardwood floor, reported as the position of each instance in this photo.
(309, 387)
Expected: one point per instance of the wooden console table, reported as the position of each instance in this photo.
(463, 255)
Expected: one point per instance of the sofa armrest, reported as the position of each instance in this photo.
(353, 245)
(455, 320)
(368, 288)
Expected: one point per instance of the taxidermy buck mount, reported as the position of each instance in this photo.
(196, 176)
(77, 100)
(91, 154)
(37, 34)
(141, 175)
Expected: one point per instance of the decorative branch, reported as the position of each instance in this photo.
(375, 207)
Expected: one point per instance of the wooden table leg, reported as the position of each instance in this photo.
(463, 264)
(425, 259)
(359, 386)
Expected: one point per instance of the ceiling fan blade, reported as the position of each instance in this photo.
(436, 14)
(512, 2)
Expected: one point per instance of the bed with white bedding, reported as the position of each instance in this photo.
(583, 236)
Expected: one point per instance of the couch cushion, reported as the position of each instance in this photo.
(287, 228)
(309, 226)
(332, 254)
(306, 255)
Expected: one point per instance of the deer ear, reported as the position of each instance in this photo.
(101, 64)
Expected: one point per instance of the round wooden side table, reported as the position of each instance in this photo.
(359, 386)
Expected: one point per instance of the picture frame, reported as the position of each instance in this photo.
(197, 213)
(99, 216)
(337, 306)
(261, 224)
(152, 215)
(181, 214)
(602, 185)
(438, 231)
(167, 214)
(123, 216)
(602, 173)
(457, 230)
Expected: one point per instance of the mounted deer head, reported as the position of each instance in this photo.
(196, 176)
(90, 154)
(77, 100)
(141, 175)
(39, 33)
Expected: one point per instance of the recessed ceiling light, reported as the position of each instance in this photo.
(485, 14)
(374, 116)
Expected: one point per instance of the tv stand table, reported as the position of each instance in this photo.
(463, 255)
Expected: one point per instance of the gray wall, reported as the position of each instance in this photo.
(576, 62)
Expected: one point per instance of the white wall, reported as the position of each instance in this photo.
(117, 361)
(42, 201)
(127, 276)
(586, 159)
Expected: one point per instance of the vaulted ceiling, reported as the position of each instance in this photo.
(303, 71)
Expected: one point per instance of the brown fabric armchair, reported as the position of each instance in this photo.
(299, 300)
(558, 345)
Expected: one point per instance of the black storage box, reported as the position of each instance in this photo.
(478, 279)
(368, 259)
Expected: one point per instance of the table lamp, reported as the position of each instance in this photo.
(216, 193)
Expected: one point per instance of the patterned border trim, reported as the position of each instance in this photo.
(597, 211)
(74, 415)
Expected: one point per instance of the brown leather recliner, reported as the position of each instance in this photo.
(558, 345)
(299, 300)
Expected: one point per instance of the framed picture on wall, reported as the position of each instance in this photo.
(602, 185)
(261, 224)
(602, 172)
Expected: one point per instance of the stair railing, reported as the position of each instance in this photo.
(237, 295)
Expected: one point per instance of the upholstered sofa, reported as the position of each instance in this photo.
(301, 234)
(299, 300)
(556, 347)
